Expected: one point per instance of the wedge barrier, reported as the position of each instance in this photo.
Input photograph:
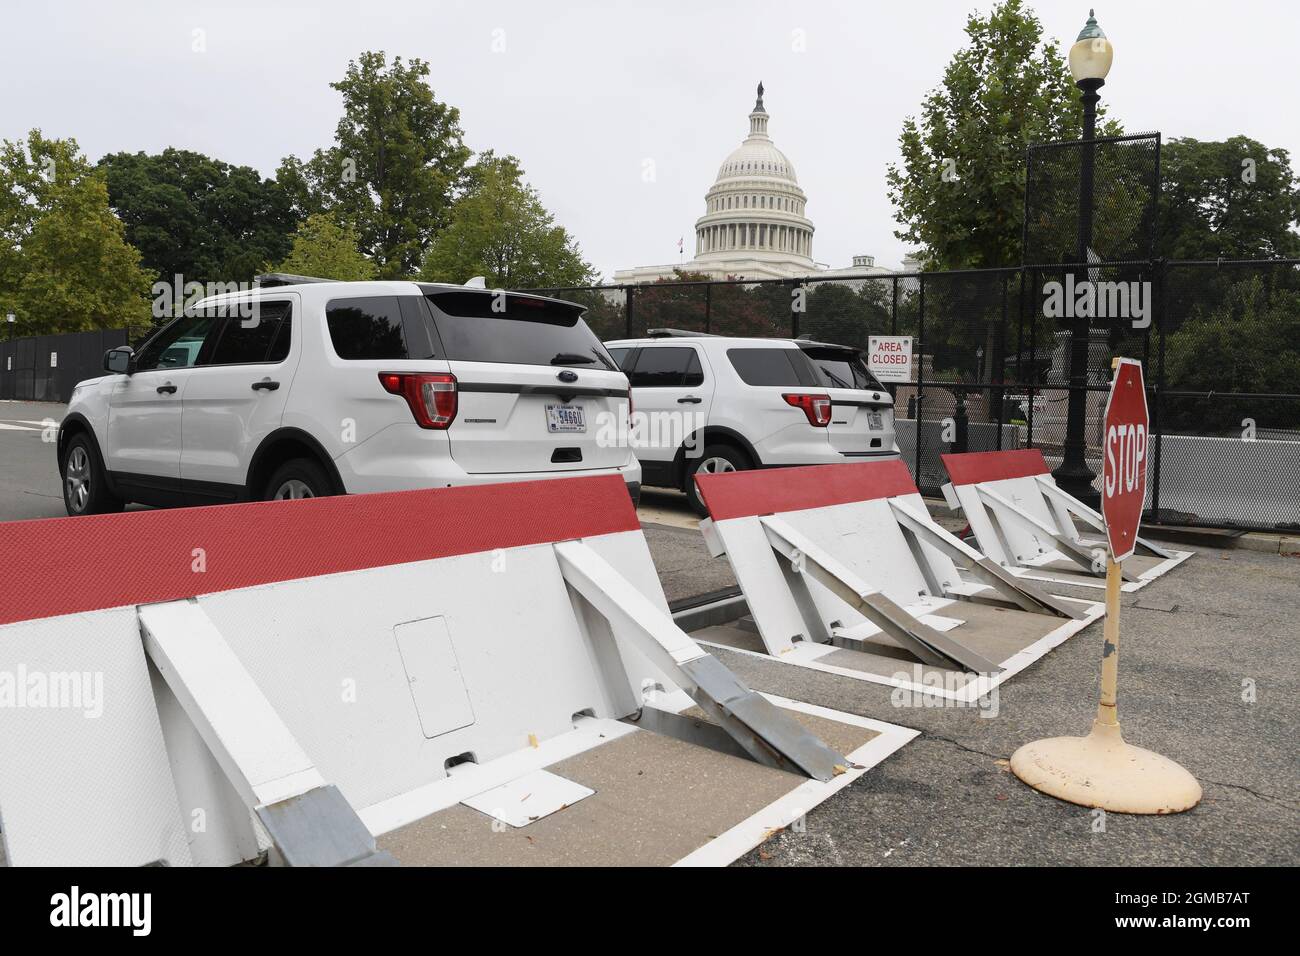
(1026, 524)
(471, 675)
(844, 571)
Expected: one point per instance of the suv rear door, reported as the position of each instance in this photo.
(674, 393)
(537, 391)
(237, 396)
(862, 411)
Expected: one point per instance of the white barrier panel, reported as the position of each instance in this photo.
(428, 677)
(844, 571)
(1025, 523)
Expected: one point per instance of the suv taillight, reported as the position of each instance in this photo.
(431, 395)
(816, 407)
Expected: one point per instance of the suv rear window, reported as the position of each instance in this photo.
(771, 366)
(366, 328)
(520, 330)
(841, 368)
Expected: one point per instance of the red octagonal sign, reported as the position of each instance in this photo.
(1124, 470)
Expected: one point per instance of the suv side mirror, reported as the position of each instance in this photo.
(120, 361)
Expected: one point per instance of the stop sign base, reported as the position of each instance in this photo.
(1101, 770)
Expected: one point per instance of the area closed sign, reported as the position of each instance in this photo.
(889, 357)
(1124, 458)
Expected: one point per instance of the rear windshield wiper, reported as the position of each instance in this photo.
(571, 358)
(835, 379)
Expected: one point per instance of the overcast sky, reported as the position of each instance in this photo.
(585, 93)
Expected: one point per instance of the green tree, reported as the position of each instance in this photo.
(1235, 199)
(959, 193)
(1247, 340)
(65, 265)
(500, 230)
(396, 167)
(198, 217)
(323, 248)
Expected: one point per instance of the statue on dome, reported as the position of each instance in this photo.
(758, 107)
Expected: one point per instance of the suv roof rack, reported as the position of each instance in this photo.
(269, 280)
(677, 333)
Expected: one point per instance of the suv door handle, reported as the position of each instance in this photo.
(168, 389)
(689, 400)
(267, 384)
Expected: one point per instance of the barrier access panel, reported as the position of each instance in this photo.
(482, 675)
(1025, 523)
(843, 570)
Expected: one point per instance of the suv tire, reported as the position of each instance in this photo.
(85, 489)
(298, 478)
(715, 459)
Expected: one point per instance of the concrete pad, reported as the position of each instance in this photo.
(657, 801)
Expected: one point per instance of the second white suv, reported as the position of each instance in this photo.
(714, 403)
(311, 388)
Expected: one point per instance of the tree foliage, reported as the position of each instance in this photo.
(1235, 199)
(1245, 340)
(500, 230)
(323, 248)
(65, 265)
(198, 217)
(396, 166)
(959, 193)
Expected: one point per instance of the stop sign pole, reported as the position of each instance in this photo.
(1101, 769)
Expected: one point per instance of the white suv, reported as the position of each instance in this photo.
(712, 403)
(305, 388)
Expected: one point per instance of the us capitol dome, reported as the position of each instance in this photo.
(755, 224)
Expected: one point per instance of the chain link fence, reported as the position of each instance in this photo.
(1220, 342)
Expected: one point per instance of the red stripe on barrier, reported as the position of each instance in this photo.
(66, 565)
(742, 494)
(976, 466)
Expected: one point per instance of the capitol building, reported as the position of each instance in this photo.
(755, 224)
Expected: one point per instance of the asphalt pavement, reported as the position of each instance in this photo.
(1208, 677)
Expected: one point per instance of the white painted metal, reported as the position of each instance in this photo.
(258, 753)
(1026, 523)
(867, 543)
(527, 656)
(529, 798)
(86, 782)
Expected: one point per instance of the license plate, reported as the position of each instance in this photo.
(875, 421)
(566, 418)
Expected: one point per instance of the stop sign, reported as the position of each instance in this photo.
(1124, 469)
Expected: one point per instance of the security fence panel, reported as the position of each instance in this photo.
(46, 368)
(844, 311)
(669, 305)
(1125, 187)
(1227, 416)
(993, 350)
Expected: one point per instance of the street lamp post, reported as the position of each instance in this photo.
(1090, 59)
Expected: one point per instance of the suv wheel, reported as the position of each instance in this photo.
(85, 490)
(298, 478)
(716, 459)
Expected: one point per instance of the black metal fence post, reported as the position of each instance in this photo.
(919, 353)
(1160, 268)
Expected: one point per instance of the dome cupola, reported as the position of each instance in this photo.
(755, 207)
